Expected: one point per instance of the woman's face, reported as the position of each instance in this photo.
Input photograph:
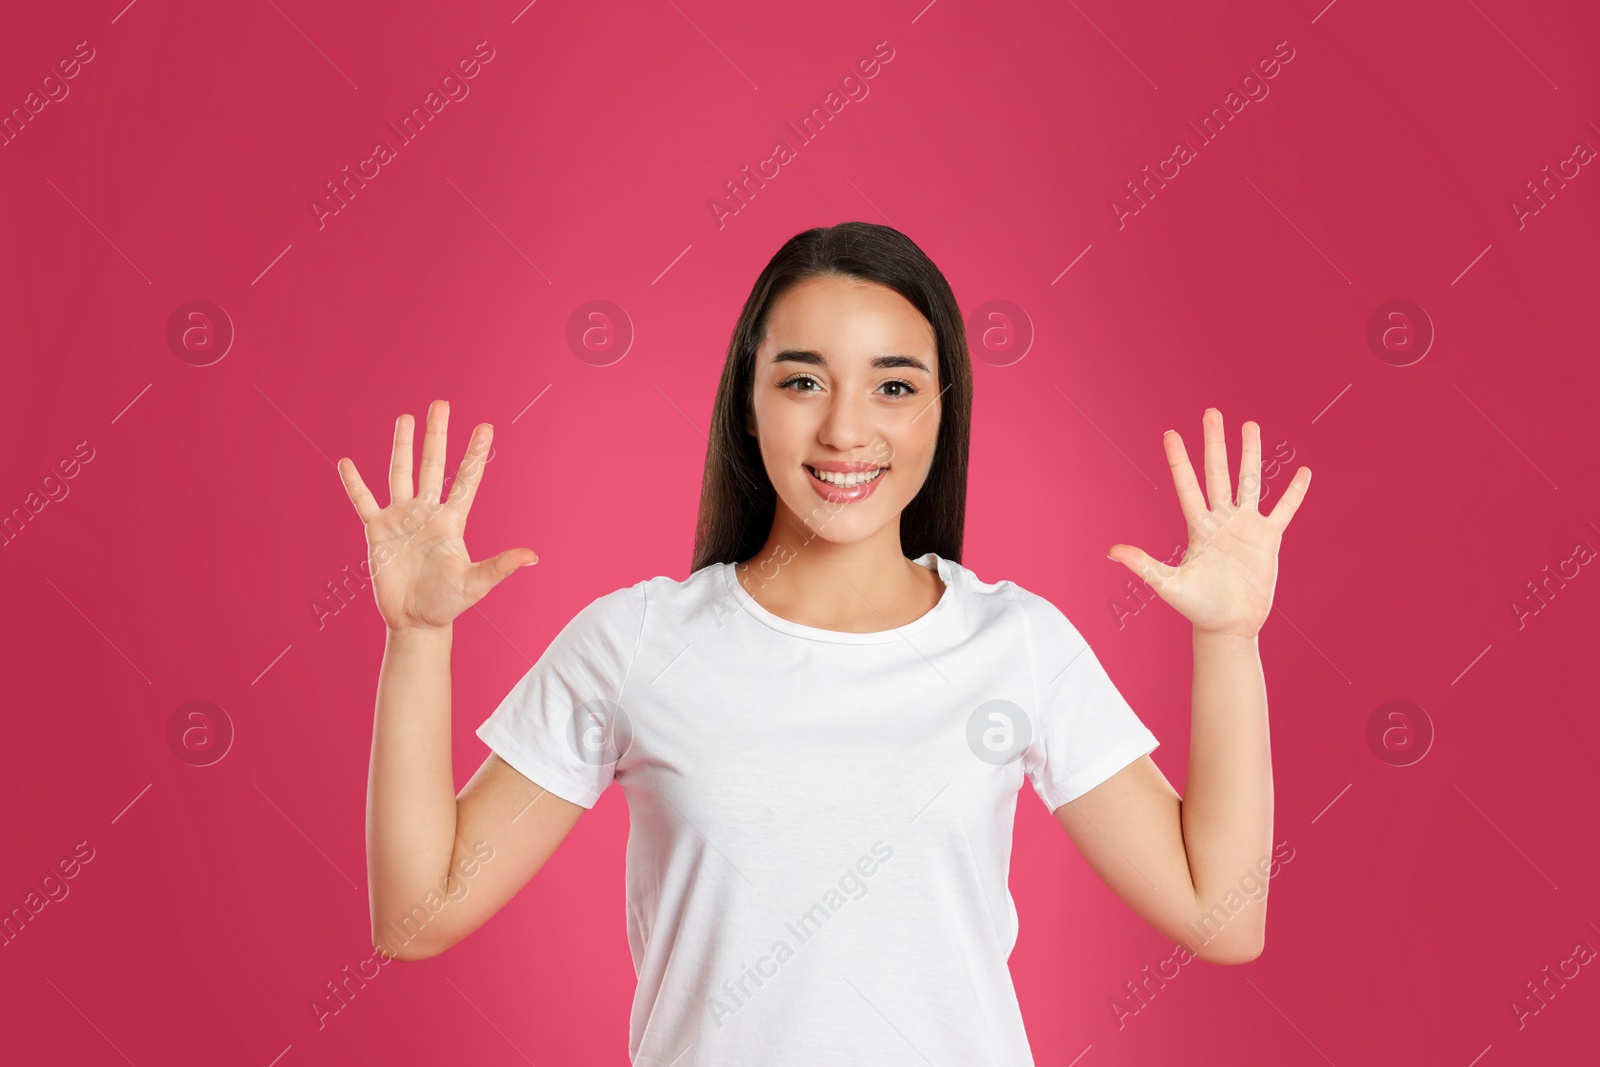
(846, 387)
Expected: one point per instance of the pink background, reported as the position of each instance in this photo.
(183, 562)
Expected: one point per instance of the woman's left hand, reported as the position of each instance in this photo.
(1225, 580)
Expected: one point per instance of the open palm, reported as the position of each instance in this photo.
(1224, 582)
(422, 575)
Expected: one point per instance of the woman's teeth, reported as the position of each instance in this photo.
(846, 480)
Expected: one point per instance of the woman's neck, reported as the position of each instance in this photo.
(856, 587)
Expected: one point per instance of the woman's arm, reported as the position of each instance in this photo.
(411, 796)
(1196, 867)
(438, 866)
(1227, 812)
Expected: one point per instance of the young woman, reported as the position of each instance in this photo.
(822, 731)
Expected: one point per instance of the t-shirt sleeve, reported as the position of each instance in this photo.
(561, 725)
(1084, 730)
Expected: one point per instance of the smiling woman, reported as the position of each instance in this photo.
(852, 350)
(828, 674)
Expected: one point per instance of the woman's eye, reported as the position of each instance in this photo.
(905, 388)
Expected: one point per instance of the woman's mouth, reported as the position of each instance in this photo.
(842, 487)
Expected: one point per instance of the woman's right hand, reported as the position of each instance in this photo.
(421, 574)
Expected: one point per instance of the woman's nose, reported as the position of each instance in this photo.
(847, 423)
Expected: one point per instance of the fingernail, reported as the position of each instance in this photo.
(1165, 433)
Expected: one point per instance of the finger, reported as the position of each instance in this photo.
(357, 490)
(430, 476)
(1190, 499)
(486, 574)
(1292, 495)
(1249, 465)
(1219, 490)
(465, 487)
(1151, 570)
(400, 460)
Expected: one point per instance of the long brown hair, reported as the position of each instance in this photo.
(737, 500)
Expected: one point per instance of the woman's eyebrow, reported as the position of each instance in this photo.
(801, 355)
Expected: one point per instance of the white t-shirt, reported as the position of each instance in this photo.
(820, 822)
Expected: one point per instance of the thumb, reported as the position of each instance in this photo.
(1141, 563)
(486, 574)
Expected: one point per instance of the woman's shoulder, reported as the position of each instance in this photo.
(1001, 594)
(1019, 604)
(661, 593)
(621, 618)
